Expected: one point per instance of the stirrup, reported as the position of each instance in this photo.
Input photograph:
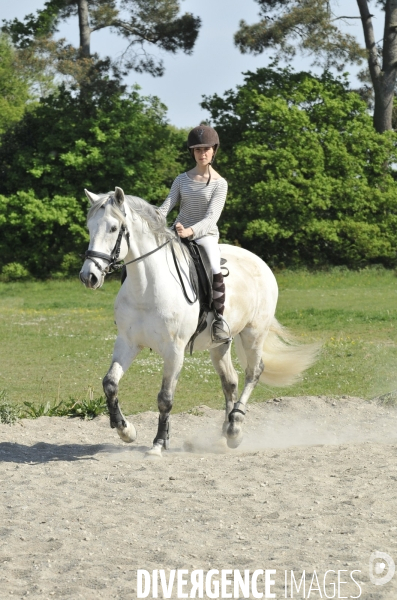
(220, 330)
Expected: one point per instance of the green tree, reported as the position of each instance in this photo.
(143, 23)
(313, 27)
(68, 143)
(14, 87)
(311, 182)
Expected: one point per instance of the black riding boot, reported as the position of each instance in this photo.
(220, 331)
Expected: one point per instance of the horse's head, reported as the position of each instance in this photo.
(108, 236)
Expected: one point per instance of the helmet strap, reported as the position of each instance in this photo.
(210, 163)
(209, 173)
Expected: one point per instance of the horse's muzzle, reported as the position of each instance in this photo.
(89, 279)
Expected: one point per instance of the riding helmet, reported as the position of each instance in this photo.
(201, 137)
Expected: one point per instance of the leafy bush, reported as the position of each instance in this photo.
(9, 414)
(87, 408)
(42, 410)
(45, 235)
(310, 181)
(13, 272)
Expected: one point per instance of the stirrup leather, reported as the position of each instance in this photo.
(220, 330)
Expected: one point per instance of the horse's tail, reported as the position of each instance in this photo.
(284, 358)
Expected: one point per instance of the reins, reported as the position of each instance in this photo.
(114, 264)
(192, 282)
(143, 256)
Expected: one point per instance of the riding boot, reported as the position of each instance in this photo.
(220, 330)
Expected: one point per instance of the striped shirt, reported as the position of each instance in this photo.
(200, 204)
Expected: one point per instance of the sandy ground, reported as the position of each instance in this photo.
(312, 487)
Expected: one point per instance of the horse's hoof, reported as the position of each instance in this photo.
(234, 435)
(154, 452)
(128, 433)
(235, 441)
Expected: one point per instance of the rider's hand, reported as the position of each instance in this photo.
(182, 232)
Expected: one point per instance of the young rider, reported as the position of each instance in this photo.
(201, 194)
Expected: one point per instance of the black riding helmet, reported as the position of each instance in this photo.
(203, 136)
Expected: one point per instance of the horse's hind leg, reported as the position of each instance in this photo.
(252, 345)
(173, 362)
(123, 355)
(222, 361)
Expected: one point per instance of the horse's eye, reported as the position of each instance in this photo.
(113, 229)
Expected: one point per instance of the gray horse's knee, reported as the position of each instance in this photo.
(110, 387)
(229, 387)
(164, 401)
(253, 373)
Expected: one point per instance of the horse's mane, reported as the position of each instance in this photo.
(150, 214)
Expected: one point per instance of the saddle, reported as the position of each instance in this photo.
(202, 276)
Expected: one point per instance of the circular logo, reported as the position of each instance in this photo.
(381, 568)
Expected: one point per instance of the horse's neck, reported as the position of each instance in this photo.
(149, 271)
(153, 284)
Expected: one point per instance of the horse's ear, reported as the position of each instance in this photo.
(119, 196)
(91, 197)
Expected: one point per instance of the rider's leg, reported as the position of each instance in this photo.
(220, 329)
(218, 293)
(211, 246)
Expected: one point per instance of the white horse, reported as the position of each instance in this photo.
(152, 310)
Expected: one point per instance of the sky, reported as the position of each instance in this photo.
(215, 66)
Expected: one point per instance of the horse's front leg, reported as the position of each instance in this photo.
(173, 362)
(123, 355)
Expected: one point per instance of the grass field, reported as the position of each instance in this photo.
(56, 341)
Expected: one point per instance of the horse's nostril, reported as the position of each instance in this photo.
(93, 280)
(82, 279)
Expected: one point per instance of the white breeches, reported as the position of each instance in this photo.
(211, 246)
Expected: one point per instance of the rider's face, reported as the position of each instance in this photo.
(203, 156)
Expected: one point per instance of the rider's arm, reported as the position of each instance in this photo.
(172, 199)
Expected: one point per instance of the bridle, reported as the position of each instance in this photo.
(113, 258)
(114, 264)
